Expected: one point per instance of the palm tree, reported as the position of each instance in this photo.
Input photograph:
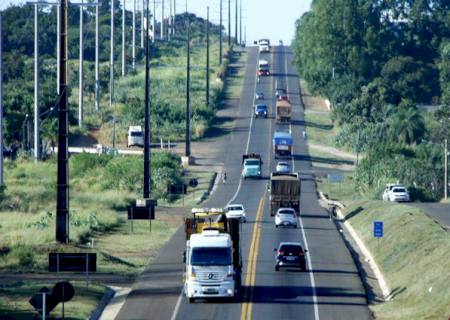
(407, 125)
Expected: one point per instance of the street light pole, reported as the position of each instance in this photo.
(207, 57)
(445, 169)
(62, 183)
(162, 20)
(142, 25)
(58, 23)
(36, 86)
(188, 111)
(80, 93)
(123, 39)
(97, 68)
(229, 24)
(220, 34)
(154, 21)
(1, 102)
(240, 22)
(134, 37)
(147, 127)
(236, 23)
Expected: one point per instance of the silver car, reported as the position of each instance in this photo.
(286, 217)
(282, 167)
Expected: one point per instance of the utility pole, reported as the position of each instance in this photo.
(80, 93)
(169, 28)
(97, 69)
(134, 37)
(147, 128)
(1, 102)
(142, 25)
(81, 61)
(174, 15)
(154, 21)
(188, 107)
(162, 20)
(36, 87)
(123, 39)
(229, 24)
(236, 23)
(245, 34)
(445, 169)
(62, 183)
(58, 23)
(240, 22)
(220, 34)
(207, 57)
(111, 75)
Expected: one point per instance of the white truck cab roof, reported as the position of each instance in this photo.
(210, 238)
(135, 129)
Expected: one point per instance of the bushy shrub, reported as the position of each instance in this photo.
(25, 255)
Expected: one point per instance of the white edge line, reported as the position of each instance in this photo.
(310, 272)
(180, 297)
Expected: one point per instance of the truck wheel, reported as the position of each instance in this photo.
(191, 300)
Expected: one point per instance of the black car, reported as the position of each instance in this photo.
(290, 255)
(261, 110)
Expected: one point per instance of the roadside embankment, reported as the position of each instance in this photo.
(412, 255)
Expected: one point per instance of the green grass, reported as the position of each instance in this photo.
(320, 128)
(344, 192)
(14, 298)
(413, 258)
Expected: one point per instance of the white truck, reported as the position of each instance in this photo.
(135, 136)
(212, 258)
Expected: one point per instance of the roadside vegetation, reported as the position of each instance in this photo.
(381, 62)
(14, 298)
(412, 256)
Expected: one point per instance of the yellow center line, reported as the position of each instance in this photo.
(247, 306)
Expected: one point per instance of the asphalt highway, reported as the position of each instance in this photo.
(329, 289)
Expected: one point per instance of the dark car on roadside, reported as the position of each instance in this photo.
(261, 111)
(290, 255)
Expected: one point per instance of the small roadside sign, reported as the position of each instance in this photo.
(378, 229)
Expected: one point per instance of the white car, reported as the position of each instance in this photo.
(396, 192)
(286, 217)
(282, 167)
(236, 211)
(264, 48)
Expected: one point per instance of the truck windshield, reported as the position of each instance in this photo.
(136, 133)
(211, 256)
(252, 163)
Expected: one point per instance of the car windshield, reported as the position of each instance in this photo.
(288, 212)
(398, 190)
(214, 256)
(294, 249)
(136, 133)
(252, 163)
(282, 164)
(235, 208)
(261, 107)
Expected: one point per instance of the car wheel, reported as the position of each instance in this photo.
(277, 268)
(191, 300)
(276, 226)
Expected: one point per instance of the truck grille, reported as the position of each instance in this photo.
(210, 276)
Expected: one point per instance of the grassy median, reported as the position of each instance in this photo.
(413, 257)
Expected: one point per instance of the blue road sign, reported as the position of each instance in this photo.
(378, 229)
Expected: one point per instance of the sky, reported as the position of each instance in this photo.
(260, 18)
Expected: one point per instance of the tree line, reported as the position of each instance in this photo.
(377, 61)
(18, 48)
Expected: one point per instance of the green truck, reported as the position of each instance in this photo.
(252, 166)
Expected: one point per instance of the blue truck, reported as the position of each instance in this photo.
(282, 144)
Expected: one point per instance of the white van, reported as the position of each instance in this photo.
(135, 136)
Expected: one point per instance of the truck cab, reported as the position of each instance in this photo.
(213, 260)
(252, 166)
(135, 136)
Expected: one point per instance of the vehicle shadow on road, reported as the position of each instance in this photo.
(308, 158)
(300, 295)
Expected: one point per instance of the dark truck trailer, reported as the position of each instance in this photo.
(284, 192)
